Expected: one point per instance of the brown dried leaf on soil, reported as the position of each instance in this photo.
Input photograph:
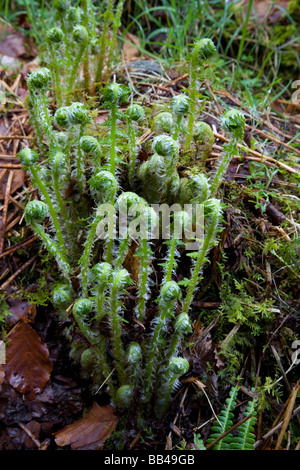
(17, 182)
(28, 366)
(33, 428)
(132, 262)
(91, 431)
(2, 375)
(20, 310)
(130, 47)
(16, 45)
(203, 354)
(265, 11)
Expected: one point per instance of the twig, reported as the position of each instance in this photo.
(263, 121)
(275, 429)
(11, 166)
(29, 434)
(288, 414)
(207, 304)
(220, 109)
(134, 442)
(273, 181)
(103, 383)
(3, 173)
(5, 155)
(178, 79)
(224, 434)
(19, 246)
(169, 437)
(159, 87)
(13, 223)
(230, 335)
(290, 103)
(274, 351)
(207, 330)
(258, 157)
(16, 203)
(254, 152)
(12, 93)
(16, 274)
(5, 207)
(12, 137)
(228, 95)
(274, 139)
(11, 216)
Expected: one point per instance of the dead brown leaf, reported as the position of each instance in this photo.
(204, 352)
(91, 431)
(20, 310)
(130, 48)
(101, 118)
(17, 45)
(2, 375)
(17, 182)
(132, 263)
(263, 11)
(13, 45)
(266, 11)
(270, 11)
(28, 367)
(32, 431)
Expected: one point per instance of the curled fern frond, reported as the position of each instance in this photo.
(204, 139)
(124, 396)
(55, 36)
(39, 79)
(115, 94)
(165, 146)
(163, 122)
(233, 121)
(35, 211)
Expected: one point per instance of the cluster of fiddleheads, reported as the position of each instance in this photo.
(137, 356)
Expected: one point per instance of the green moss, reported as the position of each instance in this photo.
(293, 9)
(4, 312)
(283, 33)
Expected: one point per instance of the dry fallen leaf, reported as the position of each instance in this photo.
(265, 11)
(20, 310)
(17, 182)
(91, 431)
(28, 367)
(101, 118)
(132, 263)
(2, 375)
(17, 45)
(33, 429)
(130, 48)
(13, 45)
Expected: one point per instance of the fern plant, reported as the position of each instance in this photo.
(243, 437)
(224, 422)
(86, 235)
(75, 44)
